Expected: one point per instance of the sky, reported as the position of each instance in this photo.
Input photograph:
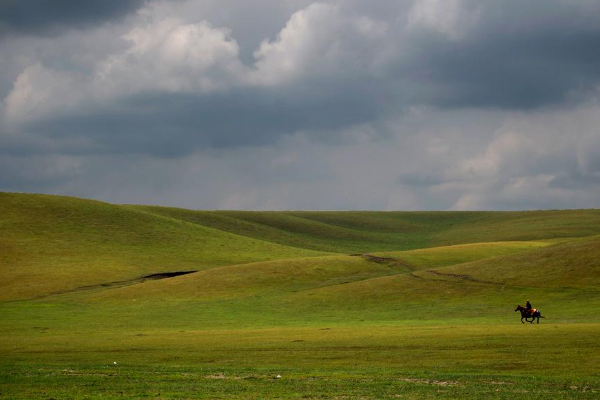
(296, 104)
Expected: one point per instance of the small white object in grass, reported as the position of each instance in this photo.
(278, 377)
(114, 362)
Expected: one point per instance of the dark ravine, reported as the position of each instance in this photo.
(113, 285)
(375, 259)
(165, 275)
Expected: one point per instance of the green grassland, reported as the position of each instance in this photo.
(366, 305)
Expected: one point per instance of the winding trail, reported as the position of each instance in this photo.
(411, 269)
(463, 277)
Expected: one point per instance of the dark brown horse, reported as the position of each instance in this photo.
(532, 313)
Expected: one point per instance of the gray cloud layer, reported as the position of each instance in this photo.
(449, 99)
(38, 17)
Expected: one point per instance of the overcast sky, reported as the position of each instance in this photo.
(294, 104)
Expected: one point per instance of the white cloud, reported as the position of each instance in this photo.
(546, 159)
(158, 53)
(452, 18)
(173, 56)
(161, 55)
(499, 155)
(39, 92)
(319, 41)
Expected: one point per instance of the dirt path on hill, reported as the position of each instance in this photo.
(463, 277)
(411, 269)
(391, 262)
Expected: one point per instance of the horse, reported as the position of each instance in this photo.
(526, 314)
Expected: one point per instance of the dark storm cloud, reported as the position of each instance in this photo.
(439, 104)
(506, 56)
(522, 73)
(510, 56)
(575, 180)
(515, 56)
(170, 125)
(49, 16)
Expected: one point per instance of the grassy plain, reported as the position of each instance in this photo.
(364, 305)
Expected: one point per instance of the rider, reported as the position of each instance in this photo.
(528, 307)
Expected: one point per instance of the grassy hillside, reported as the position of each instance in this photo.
(569, 265)
(458, 254)
(50, 244)
(341, 304)
(355, 231)
(353, 290)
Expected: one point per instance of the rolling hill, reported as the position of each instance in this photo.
(54, 244)
(368, 231)
(109, 301)
(50, 244)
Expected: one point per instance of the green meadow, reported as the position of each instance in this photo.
(104, 301)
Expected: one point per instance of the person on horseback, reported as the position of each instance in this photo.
(528, 308)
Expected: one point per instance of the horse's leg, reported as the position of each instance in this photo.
(526, 317)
